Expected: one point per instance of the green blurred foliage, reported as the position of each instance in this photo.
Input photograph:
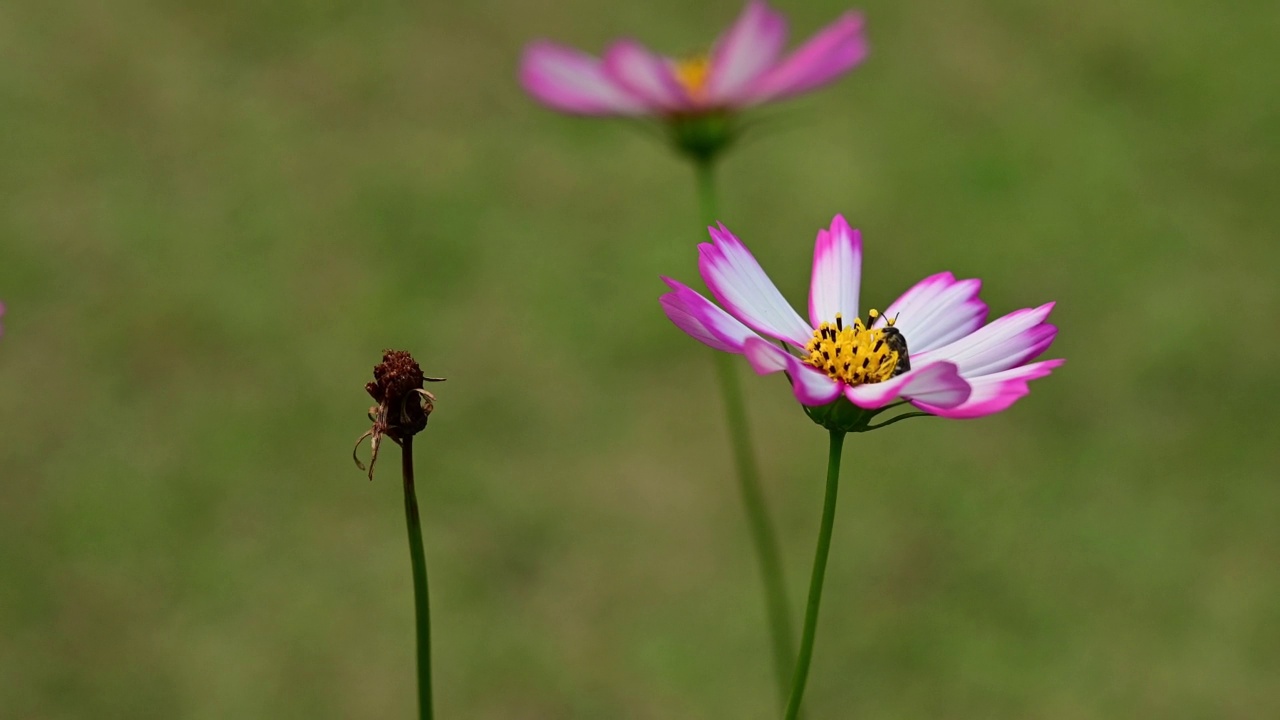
(216, 214)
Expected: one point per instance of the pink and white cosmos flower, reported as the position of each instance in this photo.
(949, 362)
(743, 69)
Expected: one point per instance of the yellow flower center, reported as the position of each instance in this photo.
(856, 354)
(692, 73)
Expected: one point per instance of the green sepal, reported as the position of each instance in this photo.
(703, 136)
(843, 416)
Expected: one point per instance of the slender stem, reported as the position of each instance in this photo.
(763, 537)
(421, 601)
(706, 177)
(819, 573)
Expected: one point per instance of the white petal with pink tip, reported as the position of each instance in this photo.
(994, 393)
(936, 311)
(741, 285)
(938, 383)
(702, 319)
(811, 386)
(1006, 342)
(837, 273)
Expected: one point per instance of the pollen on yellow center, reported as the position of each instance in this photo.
(692, 73)
(851, 353)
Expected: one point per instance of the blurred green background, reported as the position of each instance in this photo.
(216, 215)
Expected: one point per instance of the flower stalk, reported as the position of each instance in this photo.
(764, 539)
(421, 598)
(403, 410)
(819, 574)
(931, 349)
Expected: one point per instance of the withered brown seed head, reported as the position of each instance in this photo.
(397, 387)
(403, 405)
(395, 377)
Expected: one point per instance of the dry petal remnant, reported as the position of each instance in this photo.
(403, 405)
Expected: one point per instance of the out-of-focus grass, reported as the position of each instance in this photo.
(215, 215)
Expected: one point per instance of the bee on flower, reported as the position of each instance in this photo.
(930, 347)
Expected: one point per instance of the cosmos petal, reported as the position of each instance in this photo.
(743, 288)
(938, 383)
(837, 273)
(994, 393)
(575, 82)
(750, 47)
(937, 310)
(702, 319)
(811, 386)
(830, 53)
(645, 75)
(1006, 342)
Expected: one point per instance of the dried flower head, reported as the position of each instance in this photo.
(403, 405)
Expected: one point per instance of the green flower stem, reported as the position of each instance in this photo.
(706, 172)
(763, 537)
(421, 601)
(819, 574)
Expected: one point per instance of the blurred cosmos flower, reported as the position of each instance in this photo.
(697, 94)
(930, 346)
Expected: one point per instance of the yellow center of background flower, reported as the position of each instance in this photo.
(852, 354)
(692, 73)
